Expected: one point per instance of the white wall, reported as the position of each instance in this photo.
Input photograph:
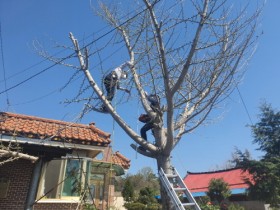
(118, 204)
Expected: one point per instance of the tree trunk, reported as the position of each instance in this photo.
(164, 162)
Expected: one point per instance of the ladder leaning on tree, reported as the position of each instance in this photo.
(174, 185)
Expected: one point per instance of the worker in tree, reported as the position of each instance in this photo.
(145, 118)
(112, 81)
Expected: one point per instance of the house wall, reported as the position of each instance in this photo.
(55, 206)
(118, 202)
(18, 174)
(252, 205)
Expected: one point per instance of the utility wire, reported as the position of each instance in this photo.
(60, 89)
(46, 59)
(63, 59)
(244, 105)
(74, 121)
(3, 66)
(44, 70)
(33, 76)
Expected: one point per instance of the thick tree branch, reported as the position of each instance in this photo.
(117, 118)
(15, 155)
(186, 66)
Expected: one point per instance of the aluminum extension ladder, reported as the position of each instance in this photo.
(174, 186)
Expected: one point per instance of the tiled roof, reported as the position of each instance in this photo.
(116, 158)
(199, 182)
(119, 159)
(31, 127)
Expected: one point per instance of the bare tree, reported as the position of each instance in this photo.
(190, 53)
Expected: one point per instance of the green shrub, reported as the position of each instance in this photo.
(218, 190)
(205, 204)
(153, 206)
(135, 206)
(209, 207)
(235, 207)
(141, 206)
(88, 206)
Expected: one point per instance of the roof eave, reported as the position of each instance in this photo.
(91, 150)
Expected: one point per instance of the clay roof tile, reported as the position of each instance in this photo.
(24, 125)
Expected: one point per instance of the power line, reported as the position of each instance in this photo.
(60, 89)
(63, 59)
(46, 59)
(244, 105)
(34, 75)
(36, 64)
(3, 65)
(51, 66)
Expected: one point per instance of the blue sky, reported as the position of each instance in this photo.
(23, 21)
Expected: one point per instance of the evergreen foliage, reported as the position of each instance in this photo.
(139, 190)
(144, 178)
(135, 206)
(218, 191)
(266, 133)
(128, 191)
(266, 184)
(147, 196)
(266, 172)
(146, 201)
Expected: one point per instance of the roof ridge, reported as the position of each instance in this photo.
(94, 128)
(117, 153)
(217, 171)
(60, 122)
(47, 127)
(42, 119)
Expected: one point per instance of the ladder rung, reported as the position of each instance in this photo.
(188, 204)
(180, 189)
(171, 175)
(173, 184)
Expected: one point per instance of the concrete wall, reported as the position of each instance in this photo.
(118, 203)
(252, 205)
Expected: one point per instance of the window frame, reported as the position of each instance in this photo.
(42, 194)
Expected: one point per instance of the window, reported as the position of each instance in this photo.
(64, 179)
(51, 177)
(61, 178)
(72, 183)
(96, 184)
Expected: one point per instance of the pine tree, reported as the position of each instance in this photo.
(266, 172)
(218, 190)
(128, 191)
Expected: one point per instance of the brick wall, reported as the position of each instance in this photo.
(55, 206)
(18, 173)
